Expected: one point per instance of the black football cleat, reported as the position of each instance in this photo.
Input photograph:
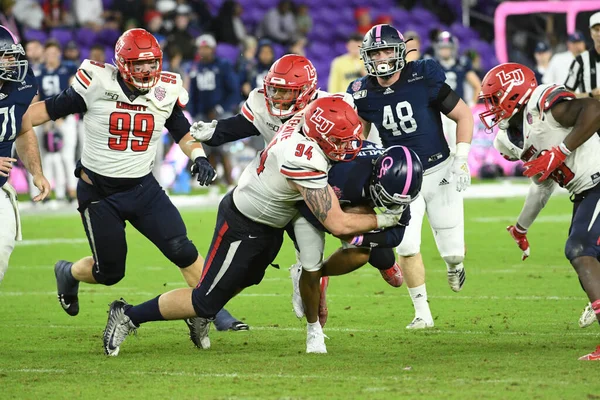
(199, 331)
(67, 288)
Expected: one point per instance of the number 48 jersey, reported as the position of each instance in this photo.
(122, 133)
(406, 113)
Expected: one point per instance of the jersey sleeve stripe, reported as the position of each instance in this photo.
(247, 113)
(79, 81)
(86, 74)
(302, 174)
(85, 82)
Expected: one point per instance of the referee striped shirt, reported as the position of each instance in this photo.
(584, 73)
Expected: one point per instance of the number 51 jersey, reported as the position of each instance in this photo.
(121, 133)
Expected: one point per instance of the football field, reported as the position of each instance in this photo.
(510, 333)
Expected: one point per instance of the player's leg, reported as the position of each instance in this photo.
(411, 262)
(60, 177)
(582, 250)
(445, 212)
(8, 233)
(385, 261)
(67, 153)
(105, 230)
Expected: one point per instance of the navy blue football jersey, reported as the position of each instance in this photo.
(406, 113)
(15, 98)
(456, 75)
(52, 82)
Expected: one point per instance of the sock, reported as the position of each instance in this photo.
(145, 312)
(419, 298)
(452, 267)
(315, 326)
(224, 320)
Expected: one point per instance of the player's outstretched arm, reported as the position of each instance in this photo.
(366, 128)
(28, 150)
(38, 113)
(325, 206)
(195, 152)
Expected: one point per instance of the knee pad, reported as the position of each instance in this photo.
(181, 251)
(108, 278)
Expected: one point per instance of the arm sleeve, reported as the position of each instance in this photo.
(65, 103)
(447, 99)
(575, 77)
(536, 199)
(232, 129)
(177, 124)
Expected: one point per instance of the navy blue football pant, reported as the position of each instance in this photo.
(584, 233)
(145, 206)
(240, 253)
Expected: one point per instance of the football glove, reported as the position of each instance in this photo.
(203, 131)
(206, 173)
(521, 239)
(547, 162)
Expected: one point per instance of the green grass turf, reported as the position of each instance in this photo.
(511, 333)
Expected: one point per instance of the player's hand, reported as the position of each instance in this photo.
(6, 164)
(203, 131)
(43, 186)
(520, 238)
(206, 172)
(387, 220)
(459, 171)
(546, 163)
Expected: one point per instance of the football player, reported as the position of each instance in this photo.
(386, 179)
(17, 89)
(252, 218)
(125, 109)
(404, 101)
(553, 132)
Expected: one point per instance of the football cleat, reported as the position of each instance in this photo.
(199, 331)
(297, 304)
(588, 317)
(239, 326)
(420, 323)
(595, 356)
(315, 341)
(117, 328)
(393, 275)
(67, 288)
(456, 278)
(323, 312)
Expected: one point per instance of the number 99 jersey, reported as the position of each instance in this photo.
(407, 113)
(121, 133)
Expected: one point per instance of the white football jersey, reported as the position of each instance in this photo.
(263, 193)
(255, 111)
(581, 170)
(121, 135)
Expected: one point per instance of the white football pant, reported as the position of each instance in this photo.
(9, 220)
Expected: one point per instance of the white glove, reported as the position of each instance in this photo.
(459, 171)
(203, 131)
(387, 220)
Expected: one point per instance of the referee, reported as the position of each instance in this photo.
(584, 74)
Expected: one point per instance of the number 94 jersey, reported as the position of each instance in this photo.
(407, 112)
(121, 133)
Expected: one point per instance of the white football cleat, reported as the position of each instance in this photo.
(420, 323)
(315, 341)
(588, 317)
(297, 304)
(456, 278)
(118, 327)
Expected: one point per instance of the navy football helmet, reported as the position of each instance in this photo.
(13, 64)
(383, 37)
(396, 179)
(445, 40)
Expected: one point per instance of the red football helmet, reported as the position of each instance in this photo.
(334, 125)
(137, 45)
(505, 89)
(289, 85)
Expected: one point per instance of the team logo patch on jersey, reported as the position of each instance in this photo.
(360, 94)
(529, 118)
(356, 86)
(160, 93)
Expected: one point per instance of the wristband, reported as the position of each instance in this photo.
(198, 152)
(564, 149)
(357, 240)
(462, 150)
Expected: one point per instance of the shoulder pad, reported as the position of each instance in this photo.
(88, 70)
(551, 96)
(254, 105)
(174, 80)
(303, 160)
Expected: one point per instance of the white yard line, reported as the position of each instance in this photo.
(46, 242)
